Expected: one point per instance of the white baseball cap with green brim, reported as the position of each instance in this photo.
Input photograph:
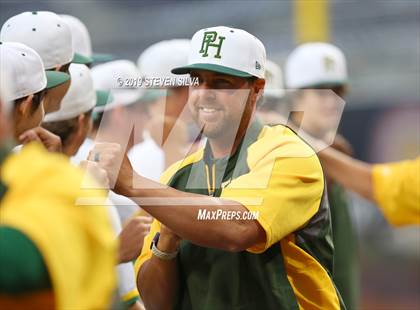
(112, 76)
(274, 87)
(82, 42)
(24, 69)
(225, 50)
(80, 97)
(47, 33)
(316, 64)
(160, 58)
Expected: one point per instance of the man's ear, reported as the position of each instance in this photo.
(24, 107)
(259, 89)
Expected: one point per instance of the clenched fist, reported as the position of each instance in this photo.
(97, 173)
(131, 237)
(112, 158)
(50, 141)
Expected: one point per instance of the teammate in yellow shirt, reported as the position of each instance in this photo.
(50, 254)
(395, 187)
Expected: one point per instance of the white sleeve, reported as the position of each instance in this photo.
(125, 271)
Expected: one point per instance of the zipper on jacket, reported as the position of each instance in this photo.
(211, 179)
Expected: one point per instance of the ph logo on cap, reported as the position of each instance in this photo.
(209, 40)
(315, 64)
(226, 50)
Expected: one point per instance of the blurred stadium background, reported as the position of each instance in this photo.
(381, 40)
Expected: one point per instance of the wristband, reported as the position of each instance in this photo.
(160, 254)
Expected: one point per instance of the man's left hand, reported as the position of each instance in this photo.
(112, 158)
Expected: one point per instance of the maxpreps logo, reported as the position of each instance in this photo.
(211, 39)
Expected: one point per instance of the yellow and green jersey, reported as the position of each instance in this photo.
(276, 174)
(48, 242)
(396, 189)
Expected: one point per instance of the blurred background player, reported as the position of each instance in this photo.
(72, 123)
(82, 43)
(171, 125)
(126, 117)
(50, 257)
(272, 108)
(316, 73)
(121, 114)
(394, 187)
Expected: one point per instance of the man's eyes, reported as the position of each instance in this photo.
(225, 83)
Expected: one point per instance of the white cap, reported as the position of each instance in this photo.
(80, 98)
(113, 76)
(159, 59)
(43, 31)
(315, 64)
(226, 50)
(274, 87)
(22, 67)
(80, 34)
(4, 93)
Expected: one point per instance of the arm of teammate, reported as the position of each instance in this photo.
(353, 174)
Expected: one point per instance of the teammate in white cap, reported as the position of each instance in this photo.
(317, 75)
(123, 119)
(244, 223)
(22, 66)
(170, 125)
(270, 111)
(51, 38)
(129, 113)
(73, 121)
(82, 43)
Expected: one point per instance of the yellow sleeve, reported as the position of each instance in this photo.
(146, 252)
(130, 298)
(396, 189)
(76, 240)
(286, 191)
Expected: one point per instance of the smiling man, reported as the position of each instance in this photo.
(279, 259)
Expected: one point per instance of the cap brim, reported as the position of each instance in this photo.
(211, 67)
(102, 57)
(81, 59)
(325, 84)
(103, 97)
(55, 78)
